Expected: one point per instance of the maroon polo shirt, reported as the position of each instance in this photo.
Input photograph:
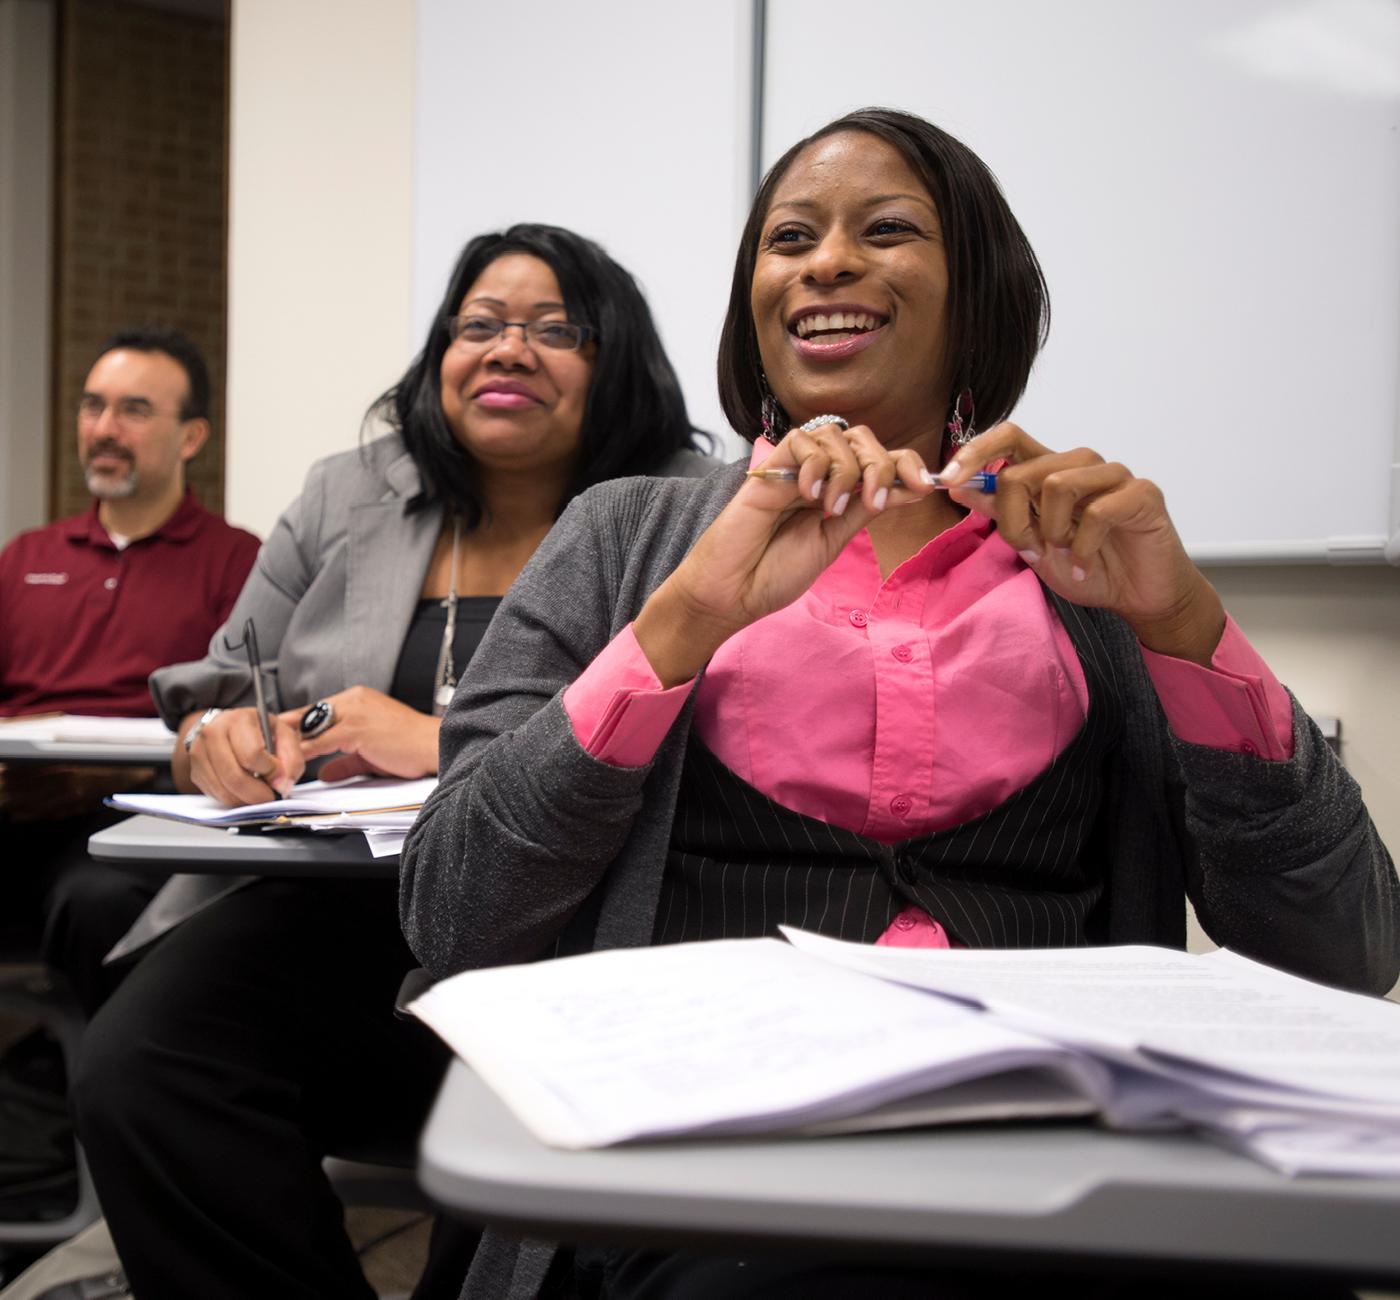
(82, 624)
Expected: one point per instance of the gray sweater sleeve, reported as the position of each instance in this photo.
(1289, 868)
(524, 823)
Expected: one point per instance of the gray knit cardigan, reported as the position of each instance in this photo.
(529, 842)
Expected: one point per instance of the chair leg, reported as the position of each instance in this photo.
(37, 993)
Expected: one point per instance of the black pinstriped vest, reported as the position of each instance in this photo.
(1027, 874)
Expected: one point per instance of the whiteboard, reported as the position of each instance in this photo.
(627, 121)
(1214, 193)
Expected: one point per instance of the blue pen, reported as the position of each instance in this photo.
(981, 481)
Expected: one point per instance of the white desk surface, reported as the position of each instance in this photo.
(19, 749)
(988, 1191)
(206, 850)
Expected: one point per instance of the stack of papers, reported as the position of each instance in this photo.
(816, 1035)
(380, 807)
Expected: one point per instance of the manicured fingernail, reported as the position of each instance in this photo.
(841, 503)
(928, 477)
(951, 472)
(817, 488)
(1030, 557)
(881, 497)
(283, 786)
(1077, 573)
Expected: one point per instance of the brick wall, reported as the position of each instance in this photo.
(140, 203)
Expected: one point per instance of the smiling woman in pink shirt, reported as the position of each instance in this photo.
(840, 685)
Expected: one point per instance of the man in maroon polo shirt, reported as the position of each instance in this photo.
(89, 607)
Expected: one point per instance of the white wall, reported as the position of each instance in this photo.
(320, 234)
(26, 271)
(647, 153)
(320, 275)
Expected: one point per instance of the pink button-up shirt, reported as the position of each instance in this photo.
(903, 706)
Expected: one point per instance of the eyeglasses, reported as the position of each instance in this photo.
(559, 335)
(130, 411)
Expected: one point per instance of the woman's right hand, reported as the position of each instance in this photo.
(229, 762)
(772, 541)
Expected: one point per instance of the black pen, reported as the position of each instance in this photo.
(250, 646)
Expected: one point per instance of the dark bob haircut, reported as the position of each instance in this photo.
(634, 418)
(998, 305)
(181, 349)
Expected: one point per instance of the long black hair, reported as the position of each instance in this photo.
(998, 305)
(634, 418)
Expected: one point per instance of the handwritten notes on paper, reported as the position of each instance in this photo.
(758, 1036)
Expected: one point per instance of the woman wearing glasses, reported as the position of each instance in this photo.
(258, 1035)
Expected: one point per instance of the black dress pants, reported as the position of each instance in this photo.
(247, 1044)
(72, 908)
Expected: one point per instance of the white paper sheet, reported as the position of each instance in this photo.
(385, 844)
(1297, 1144)
(1218, 1010)
(384, 832)
(81, 729)
(757, 1036)
(732, 1036)
(358, 795)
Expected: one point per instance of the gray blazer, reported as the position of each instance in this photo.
(333, 590)
(331, 595)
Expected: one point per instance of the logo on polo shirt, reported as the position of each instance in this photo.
(46, 579)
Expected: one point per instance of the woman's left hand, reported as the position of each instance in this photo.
(373, 734)
(1097, 536)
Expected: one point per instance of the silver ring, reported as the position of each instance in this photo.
(317, 718)
(817, 421)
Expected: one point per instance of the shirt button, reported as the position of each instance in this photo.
(859, 618)
(903, 653)
(904, 921)
(1249, 747)
(901, 805)
(110, 584)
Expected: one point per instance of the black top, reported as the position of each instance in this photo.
(413, 675)
(1027, 874)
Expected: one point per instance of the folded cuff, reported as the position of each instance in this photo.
(1236, 704)
(617, 706)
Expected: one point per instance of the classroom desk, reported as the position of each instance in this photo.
(159, 845)
(1067, 1193)
(20, 749)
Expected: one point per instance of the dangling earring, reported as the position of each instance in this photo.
(771, 416)
(768, 414)
(960, 427)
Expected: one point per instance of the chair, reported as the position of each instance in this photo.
(34, 992)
